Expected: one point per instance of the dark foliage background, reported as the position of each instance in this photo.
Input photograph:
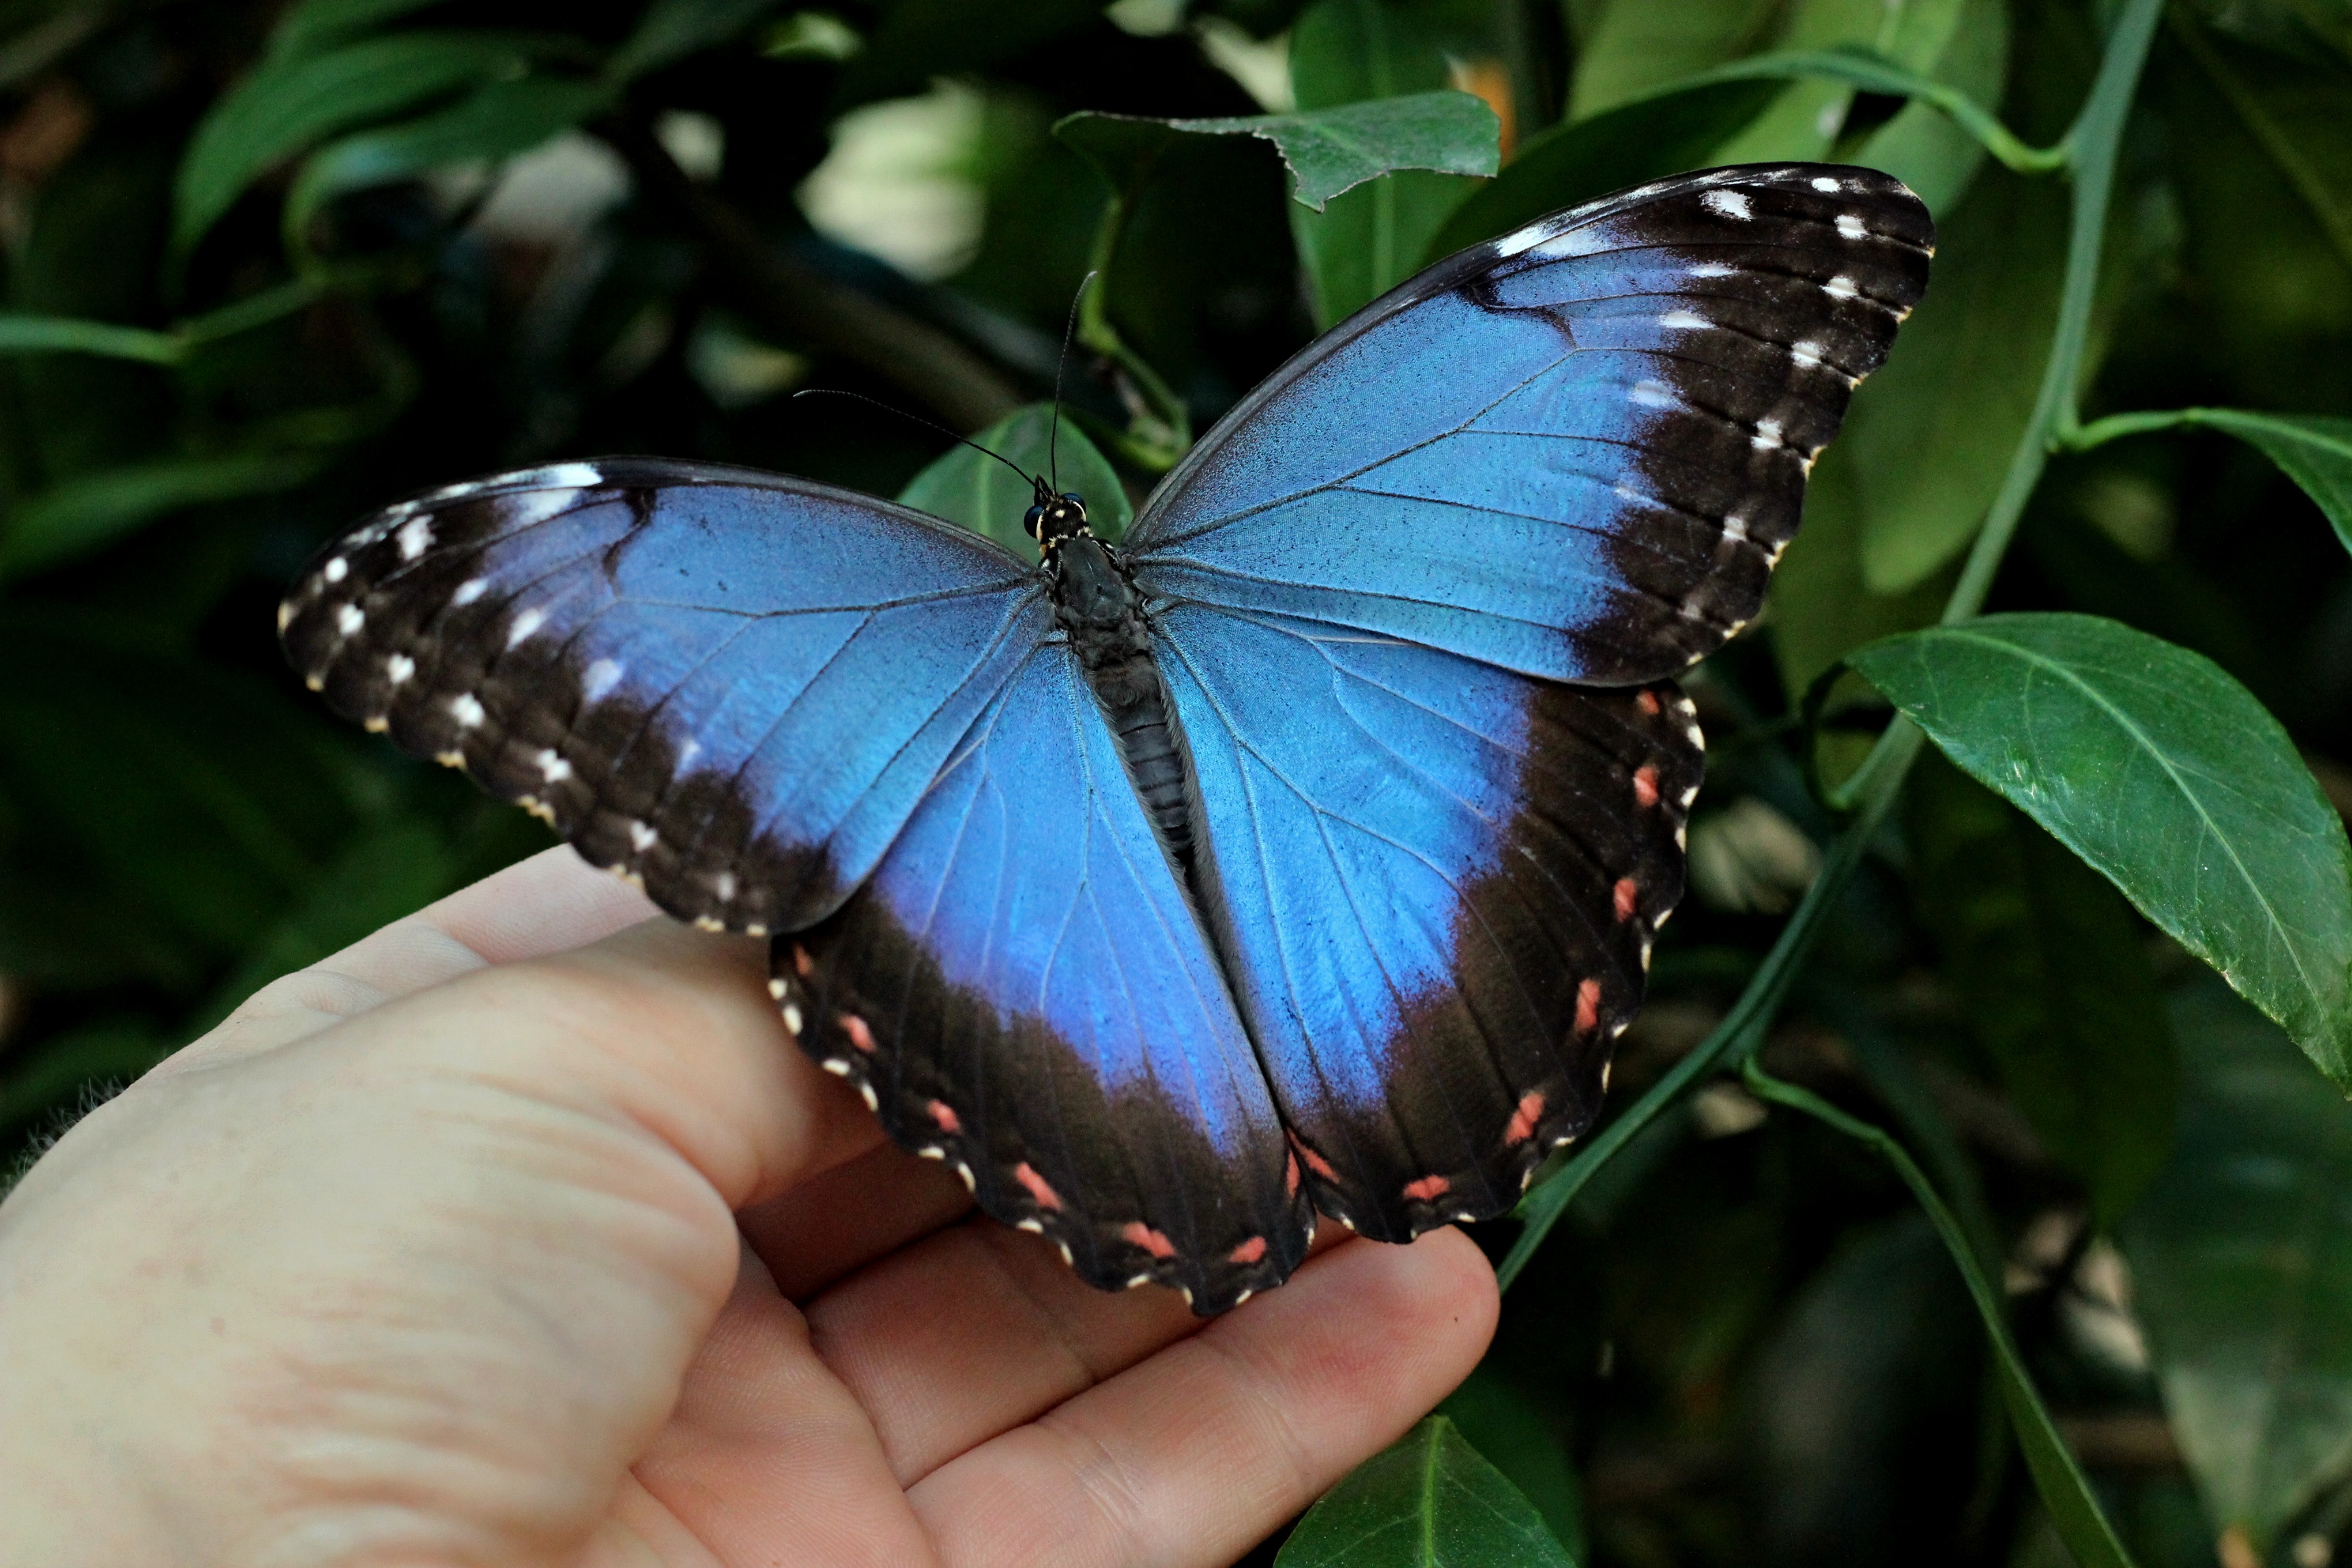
(269, 266)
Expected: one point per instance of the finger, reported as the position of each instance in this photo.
(836, 1223)
(550, 903)
(768, 1457)
(974, 1331)
(1195, 1455)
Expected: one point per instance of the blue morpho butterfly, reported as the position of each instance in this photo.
(1304, 852)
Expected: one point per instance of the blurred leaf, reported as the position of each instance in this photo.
(2296, 114)
(920, 39)
(51, 1075)
(1821, 607)
(1929, 436)
(2152, 765)
(1804, 119)
(2048, 964)
(83, 514)
(2315, 451)
(971, 489)
(389, 872)
(1638, 49)
(670, 30)
(68, 334)
(1624, 146)
(2242, 1263)
(1430, 1500)
(500, 120)
(1921, 146)
(1496, 1417)
(1370, 239)
(310, 26)
(1328, 151)
(292, 103)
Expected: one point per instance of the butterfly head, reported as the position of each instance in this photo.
(1055, 518)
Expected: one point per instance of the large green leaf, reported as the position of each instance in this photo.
(1328, 150)
(983, 495)
(1920, 145)
(292, 103)
(1930, 435)
(2241, 1270)
(2152, 765)
(1431, 1501)
(87, 513)
(501, 119)
(1639, 49)
(1368, 239)
(2314, 449)
(2049, 966)
(1499, 1418)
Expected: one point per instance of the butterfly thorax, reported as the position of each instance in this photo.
(1096, 607)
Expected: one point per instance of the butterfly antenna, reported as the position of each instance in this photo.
(1054, 435)
(888, 408)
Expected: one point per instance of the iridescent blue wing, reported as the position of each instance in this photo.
(1022, 989)
(730, 685)
(1436, 882)
(1433, 865)
(1575, 451)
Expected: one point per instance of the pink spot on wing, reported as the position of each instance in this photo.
(1290, 1175)
(1524, 1120)
(1648, 703)
(1039, 1188)
(1645, 785)
(801, 962)
(1150, 1240)
(1318, 1164)
(944, 1114)
(1427, 1188)
(859, 1034)
(1588, 1005)
(1628, 895)
(1249, 1251)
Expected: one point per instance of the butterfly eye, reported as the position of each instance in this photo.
(1029, 522)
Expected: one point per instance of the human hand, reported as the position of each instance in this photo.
(520, 1233)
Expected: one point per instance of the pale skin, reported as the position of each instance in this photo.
(520, 1233)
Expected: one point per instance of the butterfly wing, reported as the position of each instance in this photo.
(1022, 989)
(1438, 881)
(1575, 451)
(1571, 455)
(731, 685)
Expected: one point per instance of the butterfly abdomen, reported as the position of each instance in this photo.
(1101, 612)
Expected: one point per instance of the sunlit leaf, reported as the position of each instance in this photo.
(1329, 150)
(1428, 1502)
(2050, 967)
(293, 103)
(2156, 767)
(2242, 1263)
(983, 495)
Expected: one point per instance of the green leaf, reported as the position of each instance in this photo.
(310, 26)
(1431, 1501)
(1624, 146)
(2152, 765)
(1367, 241)
(1638, 51)
(673, 29)
(1328, 151)
(500, 120)
(90, 512)
(292, 103)
(71, 334)
(1921, 146)
(1496, 1417)
(52, 1073)
(983, 495)
(1929, 436)
(2049, 966)
(2315, 450)
(2241, 1269)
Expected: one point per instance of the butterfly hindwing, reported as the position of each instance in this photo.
(1437, 884)
(1022, 989)
(1575, 451)
(730, 685)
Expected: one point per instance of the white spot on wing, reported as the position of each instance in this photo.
(471, 589)
(1683, 320)
(1839, 288)
(1575, 242)
(1712, 270)
(688, 753)
(791, 1018)
(335, 570)
(534, 506)
(1768, 435)
(1650, 394)
(641, 837)
(530, 621)
(1730, 204)
(1806, 353)
(1734, 527)
(551, 767)
(601, 677)
(398, 668)
(725, 887)
(1826, 186)
(1850, 227)
(415, 537)
(467, 709)
(349, 618)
